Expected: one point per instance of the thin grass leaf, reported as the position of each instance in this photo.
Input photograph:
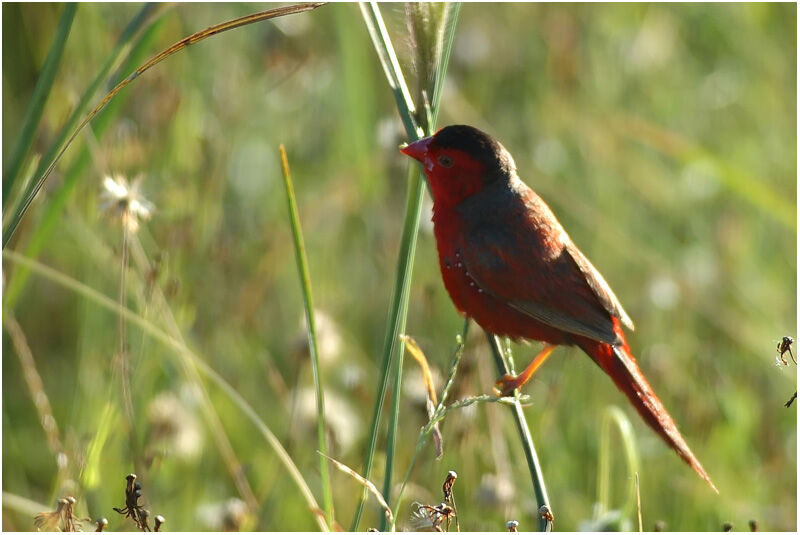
(182, 350)
(53, 209)
(394, 357)
(308, 303)
(366, 483)
(33, 188)
(92, 471)
(534, 467)
(41, 91)
(399, 302)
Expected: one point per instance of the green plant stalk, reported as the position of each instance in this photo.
(399, 304)
(180, 347)
(614, 416)
(537, 478)
(313, 348)
(431, 114)
(60, 197)
(41, 91)
(123, 360)
(413, 202)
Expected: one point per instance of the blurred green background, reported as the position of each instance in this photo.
(662, 136)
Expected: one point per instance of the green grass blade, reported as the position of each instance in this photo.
(63, 193)
(308, 303)
(183, 350)
(399, 301)
(408, 248)
(35, 109)
(531, 457)
(440, 70)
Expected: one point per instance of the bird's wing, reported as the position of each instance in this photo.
(599, 286)
(543, 275)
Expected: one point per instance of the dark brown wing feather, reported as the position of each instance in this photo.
(525, 258)
(599, 286)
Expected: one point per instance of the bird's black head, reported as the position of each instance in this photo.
(478, 145)
(460, 160)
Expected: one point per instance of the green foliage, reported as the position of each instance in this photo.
(646, 127)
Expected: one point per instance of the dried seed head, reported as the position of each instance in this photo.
(447, 487)
(159, 522)
(511, 526)
(544, 512)
(101, 523)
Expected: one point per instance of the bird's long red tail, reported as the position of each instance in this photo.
(619, 364)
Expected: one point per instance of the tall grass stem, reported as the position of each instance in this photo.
(614, 418)
(41, 91)
(392, 349)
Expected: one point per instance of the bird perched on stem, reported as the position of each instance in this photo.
(508, 264)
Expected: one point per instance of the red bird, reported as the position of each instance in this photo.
(508, 264)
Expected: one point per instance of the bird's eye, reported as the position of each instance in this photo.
(445, 161)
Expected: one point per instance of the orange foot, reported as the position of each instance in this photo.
(506, 385)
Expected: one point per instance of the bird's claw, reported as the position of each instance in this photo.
(506, 385)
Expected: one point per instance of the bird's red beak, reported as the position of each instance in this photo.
(418, 149)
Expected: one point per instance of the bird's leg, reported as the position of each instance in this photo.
(506, 385)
